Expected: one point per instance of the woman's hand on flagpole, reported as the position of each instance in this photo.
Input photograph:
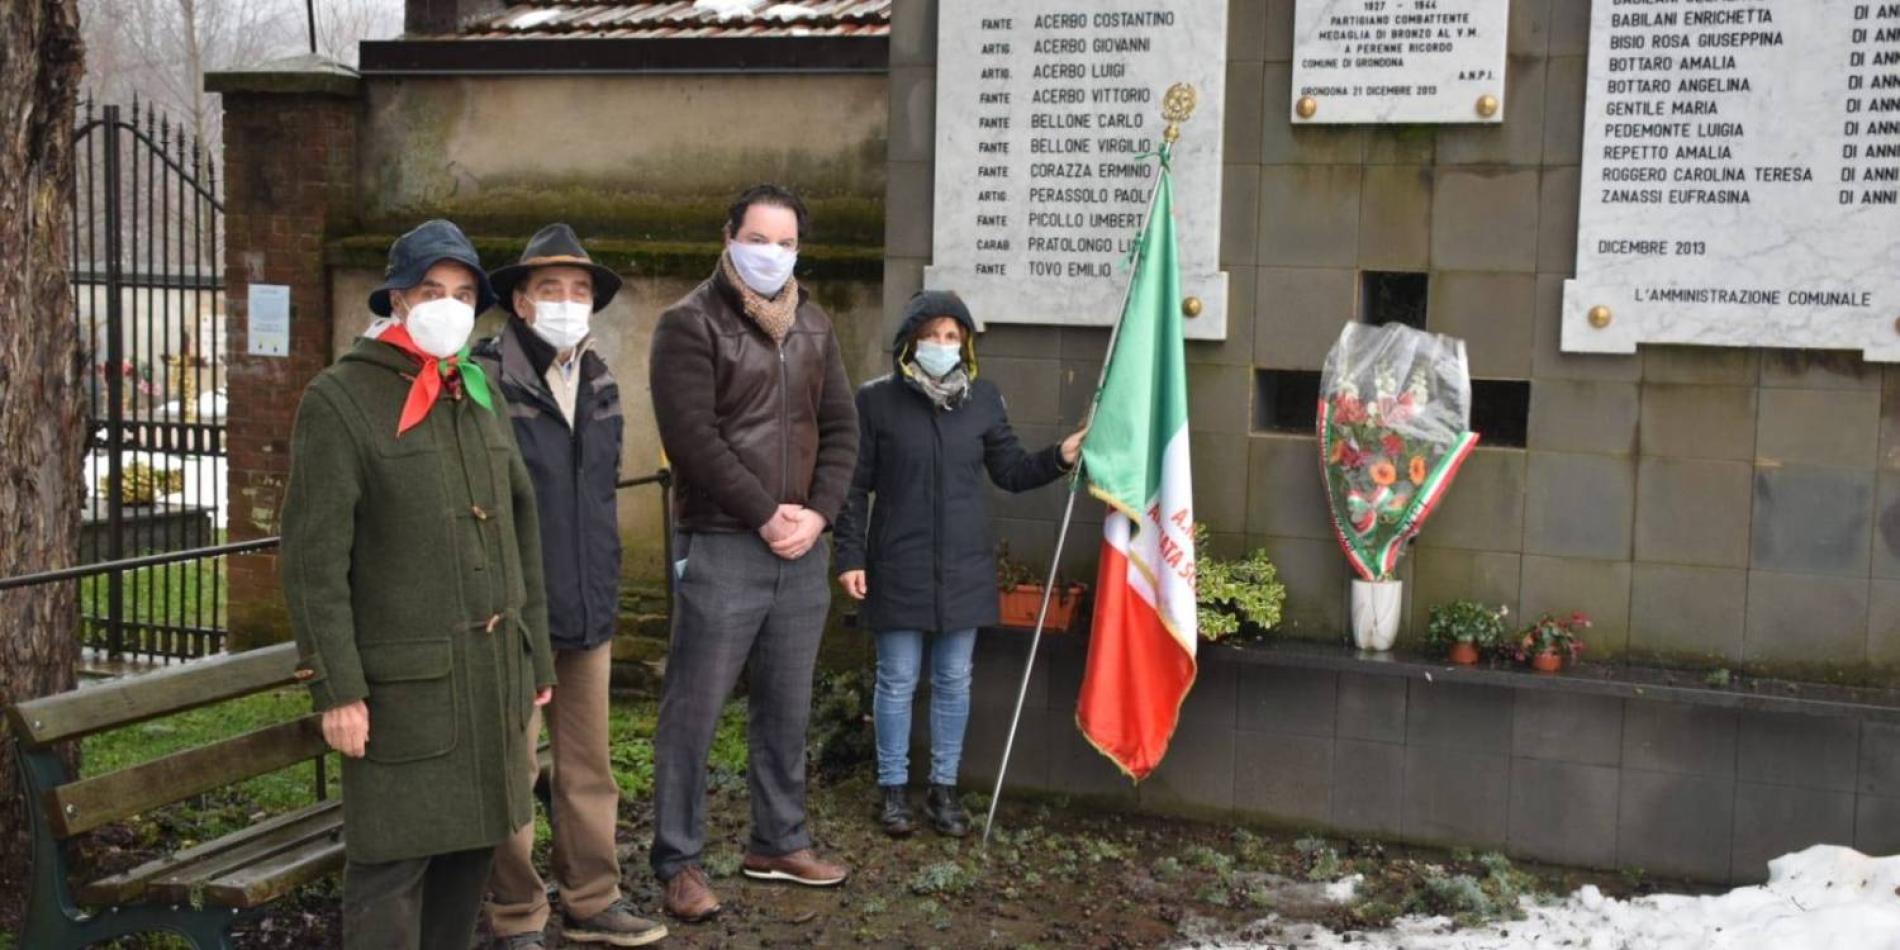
(1072, 447)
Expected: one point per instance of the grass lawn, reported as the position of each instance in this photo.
(187, 594)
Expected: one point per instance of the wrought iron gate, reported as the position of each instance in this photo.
(149, 291)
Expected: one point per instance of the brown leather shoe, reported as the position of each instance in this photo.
(689, 897)
(800, 867)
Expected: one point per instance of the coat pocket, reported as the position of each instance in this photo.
(411, 699)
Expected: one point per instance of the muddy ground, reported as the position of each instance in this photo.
(1057, 872)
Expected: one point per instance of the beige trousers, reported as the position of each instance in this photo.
(586, 802)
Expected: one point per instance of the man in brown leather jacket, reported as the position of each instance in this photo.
(759, 421)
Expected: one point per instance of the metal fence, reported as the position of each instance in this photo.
(146, 262)
(83, 574)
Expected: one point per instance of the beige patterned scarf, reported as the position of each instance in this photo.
(774, 315)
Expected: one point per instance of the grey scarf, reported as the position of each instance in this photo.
(945, 393)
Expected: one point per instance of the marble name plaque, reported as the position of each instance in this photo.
(1741, 177)
(1048, 115)
(1377, 61)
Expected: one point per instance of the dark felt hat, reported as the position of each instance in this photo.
(555, 246)
(411, 256)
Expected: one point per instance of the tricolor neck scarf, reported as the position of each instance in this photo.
(427, 388)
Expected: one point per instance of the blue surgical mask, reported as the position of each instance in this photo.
(938, 359)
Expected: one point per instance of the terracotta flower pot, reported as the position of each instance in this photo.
(1464, 653)
(1020, 604)
(1549, 661)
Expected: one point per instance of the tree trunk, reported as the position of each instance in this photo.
(40, 401)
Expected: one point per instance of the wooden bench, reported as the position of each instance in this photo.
(197, 892)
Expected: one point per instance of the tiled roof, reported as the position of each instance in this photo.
(651, 19)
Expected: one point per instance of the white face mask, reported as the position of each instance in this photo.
(440, 327)
(764, 267)
(563, 323)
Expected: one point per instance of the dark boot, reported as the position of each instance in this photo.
(895, 815)
(946, 812)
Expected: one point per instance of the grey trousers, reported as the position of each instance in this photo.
(421, 904)
(737, 606)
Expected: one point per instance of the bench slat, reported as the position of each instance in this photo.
(294, 825)
(135, 699)
(185, 885)
(89, 803)
(277, 875)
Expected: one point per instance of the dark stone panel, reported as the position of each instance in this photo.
(1371, 707)
(1457, 797)
(1808, 751)
(1300, 702)
(1283, 777)
(1441, 715)
(1564, 812)
(1567, 727)
(1773, 820)
(1676, 825)
(1368, 787)
(1664, 737)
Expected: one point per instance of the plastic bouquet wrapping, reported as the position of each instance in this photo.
(1394, 427)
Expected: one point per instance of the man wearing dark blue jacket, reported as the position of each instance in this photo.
(565, 410)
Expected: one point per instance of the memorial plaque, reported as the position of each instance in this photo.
(1741, 177)
(1047, 114)
(1369, 61)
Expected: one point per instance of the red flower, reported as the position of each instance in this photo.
(1394, 446)
(1348, 410)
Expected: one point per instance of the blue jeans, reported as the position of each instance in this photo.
(900, 660)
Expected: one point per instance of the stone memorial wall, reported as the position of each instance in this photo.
(1741, 177)
(1369, 61)
(1048, 114)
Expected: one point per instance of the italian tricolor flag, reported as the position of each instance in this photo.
(1141, 652)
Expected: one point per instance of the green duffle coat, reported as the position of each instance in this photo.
(412, 567)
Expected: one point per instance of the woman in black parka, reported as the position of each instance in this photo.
(925, 568)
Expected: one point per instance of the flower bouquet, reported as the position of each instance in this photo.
(1394, 428)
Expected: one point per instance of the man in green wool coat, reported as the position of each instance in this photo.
(412, 566)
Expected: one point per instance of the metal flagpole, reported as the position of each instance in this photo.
(1177, 105)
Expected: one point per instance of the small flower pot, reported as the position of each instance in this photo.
(1549, 661)
(1375, 613)
(1464, 653)
(1019, 605)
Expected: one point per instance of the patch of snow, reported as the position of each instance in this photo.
(534, 18)
(727, 9)
(205, 478)
(1345, 889)
(1824, 898)
(789, 11)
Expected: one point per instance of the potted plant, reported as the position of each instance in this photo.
(1229, 593)
(1394, 428)
(1466, 629)
(1550, 643)
(1019, 587)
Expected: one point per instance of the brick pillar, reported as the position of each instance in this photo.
(290, 133)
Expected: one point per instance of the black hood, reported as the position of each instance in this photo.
(928, 305)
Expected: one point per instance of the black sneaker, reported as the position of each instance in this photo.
(527, 941)
(895, 815)
(946, 813)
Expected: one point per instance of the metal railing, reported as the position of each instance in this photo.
(116, 646)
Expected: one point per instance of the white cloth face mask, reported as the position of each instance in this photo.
(440, 327)
(764, 267)
(562, 323)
